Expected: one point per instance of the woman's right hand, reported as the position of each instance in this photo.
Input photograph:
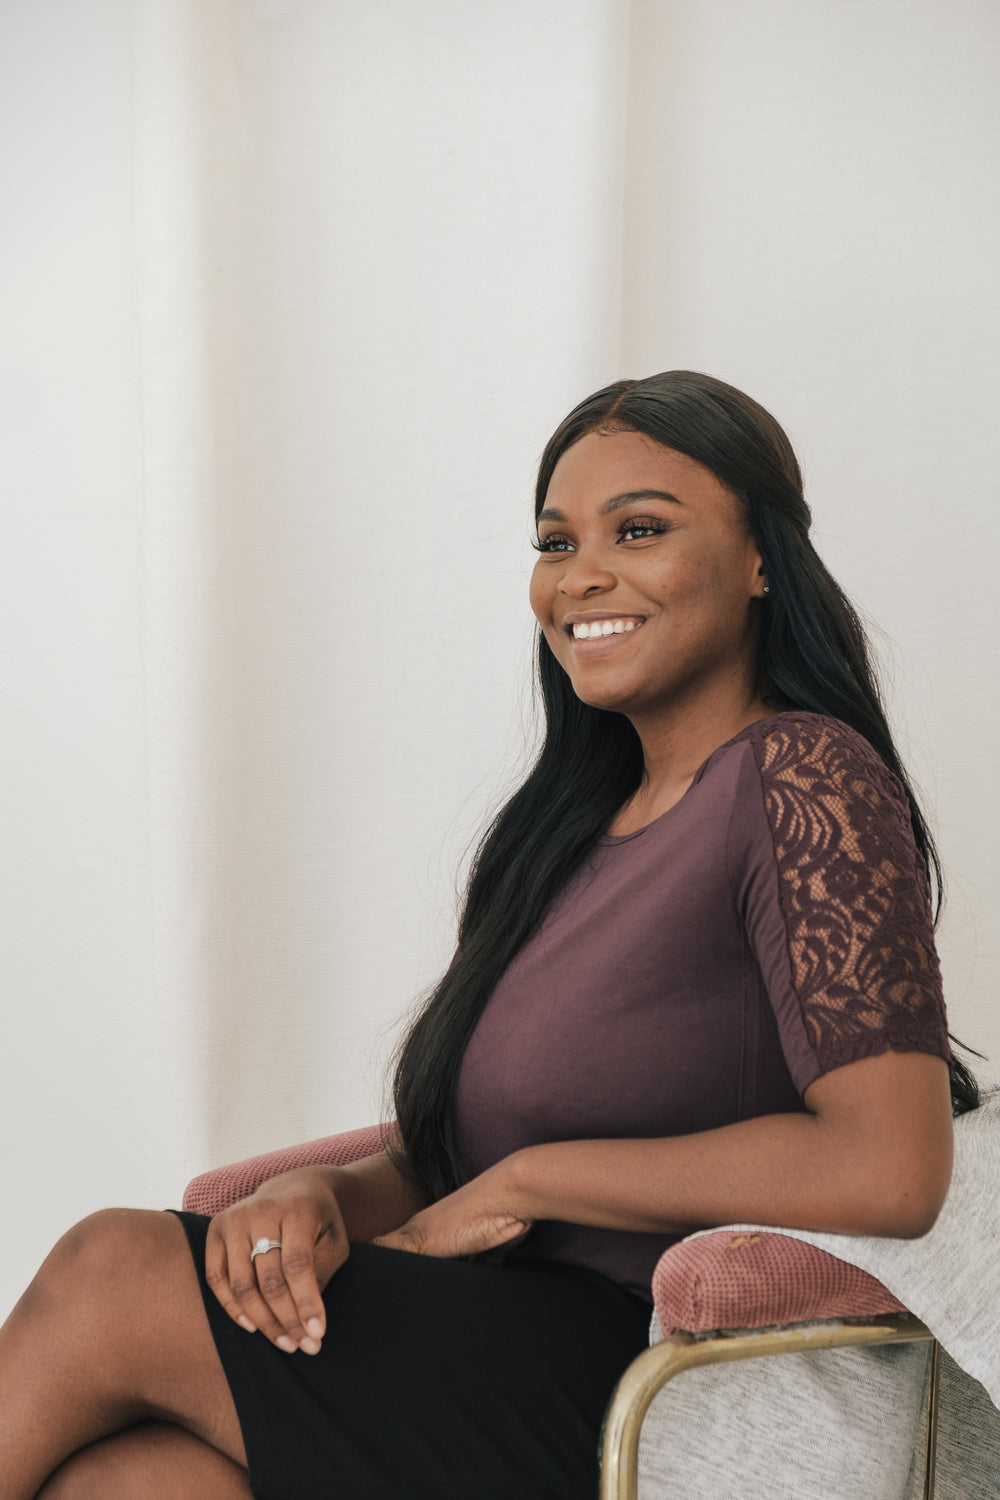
(278, 1292)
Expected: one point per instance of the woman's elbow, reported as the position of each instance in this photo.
(909, 1209)
(890, 1130)
(919, 1213)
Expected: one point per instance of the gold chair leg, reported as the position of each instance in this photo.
(933, 1380)
(650, 1371)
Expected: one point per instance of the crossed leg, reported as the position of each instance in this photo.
(109, 1378)
(154, 1461)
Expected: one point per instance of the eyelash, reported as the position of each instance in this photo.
(635, 523)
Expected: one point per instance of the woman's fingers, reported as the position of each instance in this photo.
(233, 1277)
(437, 1232)
(288, 1324)
(305, 1264)
(475, 1219)
(277, 1291)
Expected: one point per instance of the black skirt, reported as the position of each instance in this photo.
(437, 1380)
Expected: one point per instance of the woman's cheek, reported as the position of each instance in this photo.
(538, 594)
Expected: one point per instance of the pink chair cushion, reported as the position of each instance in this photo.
(740, 1280)
(213, 1191)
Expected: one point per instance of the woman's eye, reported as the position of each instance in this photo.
(639, 530)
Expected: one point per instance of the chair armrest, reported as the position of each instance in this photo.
(213, 1191)
(754, 1280)
(730, 1296)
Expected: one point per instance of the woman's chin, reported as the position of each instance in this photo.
(609, 698)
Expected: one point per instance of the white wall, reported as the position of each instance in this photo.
(285, 335)
(813, 213)
(77, 1021)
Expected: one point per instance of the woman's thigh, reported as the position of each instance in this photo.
(436, 1380)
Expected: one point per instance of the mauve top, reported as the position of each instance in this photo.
(774, 924)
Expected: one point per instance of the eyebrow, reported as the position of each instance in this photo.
(616, 502)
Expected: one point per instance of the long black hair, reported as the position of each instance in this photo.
(814, 655)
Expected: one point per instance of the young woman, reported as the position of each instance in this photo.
(695, 983)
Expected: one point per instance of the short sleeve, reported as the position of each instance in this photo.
(859, 959)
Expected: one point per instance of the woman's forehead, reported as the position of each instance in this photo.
(608, 463)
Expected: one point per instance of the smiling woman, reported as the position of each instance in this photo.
(694, 983)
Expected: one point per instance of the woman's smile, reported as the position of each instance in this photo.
(588, 631)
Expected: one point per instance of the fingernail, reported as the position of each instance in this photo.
(284, 1342)
(314, 1328)
(245, 1322)
(309, 1346)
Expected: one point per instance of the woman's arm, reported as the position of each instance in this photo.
(871, 1156)
(373, 1195)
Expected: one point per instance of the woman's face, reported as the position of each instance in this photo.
(649, 547)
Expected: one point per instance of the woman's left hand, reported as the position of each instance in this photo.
(479, 1217)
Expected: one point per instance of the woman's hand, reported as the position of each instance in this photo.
(278, 1293)
(481, 1216)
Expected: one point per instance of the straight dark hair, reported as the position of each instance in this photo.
(814, 655)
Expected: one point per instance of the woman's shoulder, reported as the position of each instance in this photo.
(816, 752)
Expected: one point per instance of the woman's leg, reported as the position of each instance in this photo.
(154, 1461)
(111, 1332)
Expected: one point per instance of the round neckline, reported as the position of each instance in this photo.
(611, 839)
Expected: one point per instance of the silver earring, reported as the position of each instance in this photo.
(767, 588)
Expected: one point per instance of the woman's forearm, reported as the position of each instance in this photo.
(874, 1158)
(775, 1170)
(374, 1196)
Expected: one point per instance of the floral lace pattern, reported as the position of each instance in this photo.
(853, 893)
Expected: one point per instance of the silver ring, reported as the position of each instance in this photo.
(262, 1246)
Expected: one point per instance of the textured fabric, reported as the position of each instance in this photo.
(837, 1424)
(780, 1428)
(703, 970)
(727, 1280)
(438, 1380)
(853, 892)
(968, 1440)
(213, 1191)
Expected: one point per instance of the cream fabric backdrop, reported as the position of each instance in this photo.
(298, 289)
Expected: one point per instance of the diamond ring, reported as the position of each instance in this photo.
(262, 1246)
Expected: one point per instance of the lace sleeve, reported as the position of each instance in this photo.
(853, 894)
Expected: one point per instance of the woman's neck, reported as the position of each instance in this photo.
(672, 753)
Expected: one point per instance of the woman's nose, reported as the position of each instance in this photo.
(585, 575)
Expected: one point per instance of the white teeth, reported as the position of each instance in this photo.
(592, 630)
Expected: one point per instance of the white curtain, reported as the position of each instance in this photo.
(298, 289)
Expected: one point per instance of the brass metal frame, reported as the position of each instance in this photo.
(650, 1371)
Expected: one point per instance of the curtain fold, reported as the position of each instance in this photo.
(379, 251)
(182, 129)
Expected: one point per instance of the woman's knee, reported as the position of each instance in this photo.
(108, 1255)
